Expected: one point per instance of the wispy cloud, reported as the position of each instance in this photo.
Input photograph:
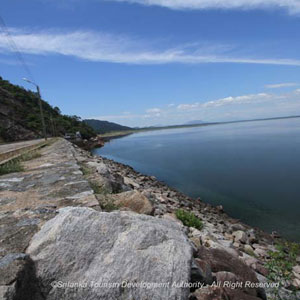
(153, 110)
(104, 47)
(255, 98)
(293, 6)
(259, 105)
(281, 85)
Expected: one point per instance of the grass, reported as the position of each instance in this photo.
(110, 206)
(15, 165)
(85, 170)
(30, 155)
(11, 166)
(95, 187)
(281, 263)
(189, 219)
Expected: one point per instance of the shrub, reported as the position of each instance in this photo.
(189, 219)
(85, 170)
(30, 155)
(110, 206)
(11, 167)
(95, 187)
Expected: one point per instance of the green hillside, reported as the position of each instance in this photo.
(105, 126)
(20, 116)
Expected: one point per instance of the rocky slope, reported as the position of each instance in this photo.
(74, 226)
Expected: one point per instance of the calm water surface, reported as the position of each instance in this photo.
(252, 169)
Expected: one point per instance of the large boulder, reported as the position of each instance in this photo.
(134, 201)
(81, 251)
(222, 261)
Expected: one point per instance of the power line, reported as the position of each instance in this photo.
(15, 49)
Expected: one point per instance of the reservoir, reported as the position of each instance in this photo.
(251, 168)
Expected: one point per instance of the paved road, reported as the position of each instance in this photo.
(19, 145)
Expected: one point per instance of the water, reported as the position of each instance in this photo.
(252, 169)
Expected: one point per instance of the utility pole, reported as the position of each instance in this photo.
(52, 126)
(40, 105)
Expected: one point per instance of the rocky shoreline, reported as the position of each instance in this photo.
(78, 226)
(248, 244)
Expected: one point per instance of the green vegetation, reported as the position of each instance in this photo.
(95, 187)
(109, 206)
(85, 170)
(102, 127)
(11, 166)
(20, 116)
(15, 165)
(30, 155)
(189, 219)
(281, 263)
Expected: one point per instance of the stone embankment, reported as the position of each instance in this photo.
(77, 226)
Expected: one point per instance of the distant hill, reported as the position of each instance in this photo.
(195, 122)
(20, 116)
(105, 126)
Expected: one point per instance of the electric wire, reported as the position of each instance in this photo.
(15, 49)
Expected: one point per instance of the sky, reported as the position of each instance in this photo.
(157, 62)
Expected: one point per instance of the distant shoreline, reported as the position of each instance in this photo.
(118, 134)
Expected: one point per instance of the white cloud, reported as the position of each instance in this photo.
(259, 105)
(153, 110)
(103, 47)
(188, 106)
(293, 6)
(281, 85)
(225, 101)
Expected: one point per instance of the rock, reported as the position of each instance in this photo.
(236, 245)
(237, 227)
(129, 181)
(220, 208)
(196, 241)
(251, 236)
(23, 284)
(296, 269)
(249, 250)
(116, 182)
(296, 283)
(201, 272)
(224, 276)
(83, 245)
(135, 201)
(249, 260)
(261, 252)
(100, 167)
(8, 292)
(172, 217)
(220, 260)
(240, 236)
(195, 232)
(10, 265)
(220, 293)
(261, 269)
(275, 235)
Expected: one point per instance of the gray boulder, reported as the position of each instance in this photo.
(80, 252)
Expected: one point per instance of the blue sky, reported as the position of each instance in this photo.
(157, 62)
